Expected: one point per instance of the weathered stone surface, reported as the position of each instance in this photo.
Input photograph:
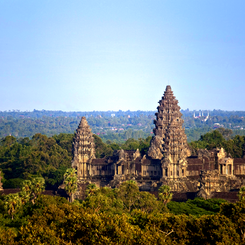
(156, 148)
(212, 181)
(83, 150)
(170, 143)
(202, 193)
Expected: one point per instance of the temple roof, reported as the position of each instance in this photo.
(239, 161)
(99, 161)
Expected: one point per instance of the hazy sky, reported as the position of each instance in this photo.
(120, 55)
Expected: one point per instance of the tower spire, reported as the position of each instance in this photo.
(170, 142)
(83, 149)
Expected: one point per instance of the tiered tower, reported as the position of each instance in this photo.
(169, 143)
(83, 150)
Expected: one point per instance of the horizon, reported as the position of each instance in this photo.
(188, 110)
(108, 56)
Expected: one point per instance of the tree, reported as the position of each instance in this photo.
(226, 133)
(129, 193)
(164, 194)
(25, 193)
(91, 189)
(31, 189)
(8, 141)
(241, 193)
(37, 187)
(70, 181)
(12, 203)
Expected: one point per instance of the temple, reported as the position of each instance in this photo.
(168, 160)
(169, 143)
(83, 150)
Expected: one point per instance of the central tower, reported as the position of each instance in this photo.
(83, 150)
(169, 143)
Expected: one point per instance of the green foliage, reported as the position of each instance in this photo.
(236, 213)
(30, 190)
(117, 129)
(36, 188)
(234, 146)
(65, 141)
(197, 207)
(124, 199)
(102, 149)
(104, 200)
(108, 216)
(217, 229)
(50, 157)
(165, 194)
(54, 177)
(70, 181)
(241, 193)
(141, 144)
(209, 141)
(7, 236)
(12, 203)
(12, 183)
(40, 156)
(91, 189)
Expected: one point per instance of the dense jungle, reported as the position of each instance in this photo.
(123, 215)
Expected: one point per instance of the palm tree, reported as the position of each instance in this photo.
(11, 203)
(165, 194)
(241, 193)
(91, 189)
(37, 187)
(25, 193)
(70, 181)
(31, 189)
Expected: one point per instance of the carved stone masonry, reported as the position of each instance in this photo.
(83, 150)
(167, 162)
(170, 143)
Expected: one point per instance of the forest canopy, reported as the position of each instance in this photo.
(107, 216)
(122, 215)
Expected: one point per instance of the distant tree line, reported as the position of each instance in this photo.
(120, 113)
(115, 128)
(233, 145)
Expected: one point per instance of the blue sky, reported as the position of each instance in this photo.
(120, 55)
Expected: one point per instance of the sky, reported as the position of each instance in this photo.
(100, 55)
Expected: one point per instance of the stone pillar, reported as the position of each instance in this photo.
(89, 170)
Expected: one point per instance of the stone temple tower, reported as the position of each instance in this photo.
(169, 143)
(83, 150)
